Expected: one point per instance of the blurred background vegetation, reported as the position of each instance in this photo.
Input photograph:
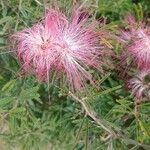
(36, 116)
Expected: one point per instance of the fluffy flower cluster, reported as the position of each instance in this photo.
(137, 42)
(61, 44)
(140, 85)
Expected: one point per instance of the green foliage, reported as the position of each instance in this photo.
(36, 115)
(114, 9)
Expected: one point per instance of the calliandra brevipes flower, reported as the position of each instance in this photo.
(140, 85)
(65, 45)
(137, 42)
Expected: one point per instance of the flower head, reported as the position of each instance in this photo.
(140, 85)
(60, 44)
(137, 42)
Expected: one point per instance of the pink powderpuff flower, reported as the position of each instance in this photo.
(65, 45)
(137, 42)
(140, 85)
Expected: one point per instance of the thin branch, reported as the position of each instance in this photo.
(113, 133)
(93, 114)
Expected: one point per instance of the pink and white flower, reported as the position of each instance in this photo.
(61, 44)
(140, 85)
(137, 42)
